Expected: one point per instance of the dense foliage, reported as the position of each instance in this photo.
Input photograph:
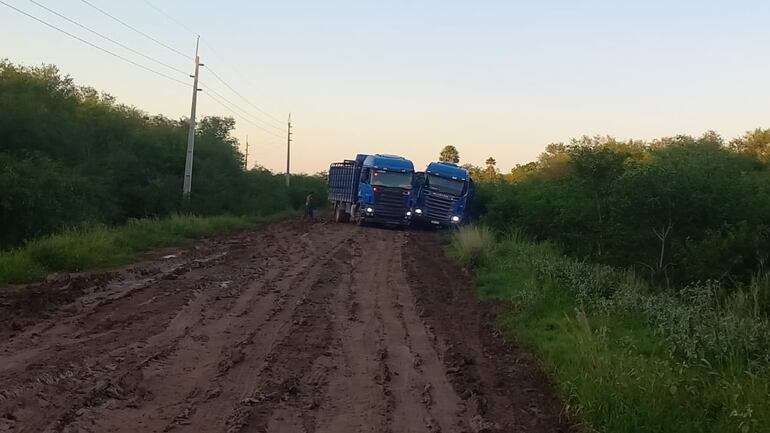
(628, 357)
(70, 156)
(678, 210)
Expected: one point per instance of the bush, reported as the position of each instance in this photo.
(678, 210)
(628, 357)
(472, 244)
(71, 156)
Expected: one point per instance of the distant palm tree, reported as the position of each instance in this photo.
(449, 154)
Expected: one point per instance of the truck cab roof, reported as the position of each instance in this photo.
(389, 162)
(447, 169)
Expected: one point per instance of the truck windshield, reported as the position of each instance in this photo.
(446, 186)
(393, 179)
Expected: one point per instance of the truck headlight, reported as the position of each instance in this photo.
(418, 211)
(369, 210)
(455, 219)
(408, 213)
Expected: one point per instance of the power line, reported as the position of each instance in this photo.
(241, 96)
(108, 38)
(244, 111)
(93, 45)
(219, 78)
(231, 110)
(162, 12)
(241, 76)
(135, 29)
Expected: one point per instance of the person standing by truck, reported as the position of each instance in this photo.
(309, 206)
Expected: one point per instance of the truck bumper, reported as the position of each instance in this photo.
(387, 221)
(443, 223)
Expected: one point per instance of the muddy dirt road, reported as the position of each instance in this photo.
(298, 328)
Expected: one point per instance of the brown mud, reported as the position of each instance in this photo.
(297, 328)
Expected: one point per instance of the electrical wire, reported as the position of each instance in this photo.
(129, 26)
(93, 45)
(211, 94)
(221, 80)
(243, 110)
(108, 38)
(241, 76)
(162, 12)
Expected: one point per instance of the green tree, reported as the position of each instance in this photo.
(490, 172)
(71, 155)
(755, 143)
(449, 154)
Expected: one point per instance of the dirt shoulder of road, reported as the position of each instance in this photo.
(502, 381)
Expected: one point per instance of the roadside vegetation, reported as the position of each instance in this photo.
(99, 247)
(638, 273)
(626, 356)
(83, 179)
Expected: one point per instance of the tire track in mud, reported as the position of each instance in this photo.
(503, 387)
(322, 328)
(212, 368)
(294, 377)
(90, 365)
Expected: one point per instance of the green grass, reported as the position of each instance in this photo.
(105, 247)
(614, 365)
(472, 244)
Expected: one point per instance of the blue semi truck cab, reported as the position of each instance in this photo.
(372, 188)
(443, 194)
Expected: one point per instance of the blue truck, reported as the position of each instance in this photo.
(442, 194)
(372, 188)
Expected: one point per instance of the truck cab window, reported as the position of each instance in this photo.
(447, 186)
(392, 179)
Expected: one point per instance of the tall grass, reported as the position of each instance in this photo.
(628, 358)
(472, 244)
(102, 247)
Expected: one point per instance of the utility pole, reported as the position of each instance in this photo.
(188, 164)
(246, 161)
(288, 154)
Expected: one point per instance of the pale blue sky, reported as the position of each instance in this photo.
(493, 78)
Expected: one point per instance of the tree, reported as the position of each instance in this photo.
(475, 171)
(71, 155)
(491, 170)
(755, 143)
(449, 154)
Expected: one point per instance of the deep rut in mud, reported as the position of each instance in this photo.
(298, 328)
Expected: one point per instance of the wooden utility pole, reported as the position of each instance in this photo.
(288, 154)
(246, 160)
(188, 164)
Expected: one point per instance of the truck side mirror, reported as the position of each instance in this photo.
(365, 175)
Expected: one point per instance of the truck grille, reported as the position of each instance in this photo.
(391, 203)
(439, 207)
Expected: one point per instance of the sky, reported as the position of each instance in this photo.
(493, 78)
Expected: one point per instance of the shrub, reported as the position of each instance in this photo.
(472, 244)
(629, 357)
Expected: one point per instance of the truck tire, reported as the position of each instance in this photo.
(340, 215)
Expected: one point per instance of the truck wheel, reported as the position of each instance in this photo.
(344, 217)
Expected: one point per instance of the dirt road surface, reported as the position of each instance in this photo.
(300, 327)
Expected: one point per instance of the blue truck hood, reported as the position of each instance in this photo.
(389, 162)
(445, 169)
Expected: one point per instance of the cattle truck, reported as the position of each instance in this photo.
(442, 194)
(372, 189)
